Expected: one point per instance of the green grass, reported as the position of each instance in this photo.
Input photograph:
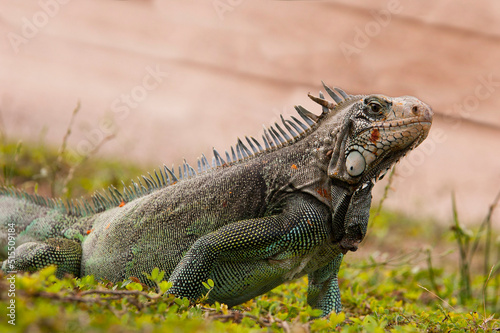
(408, 275)
(41, 169)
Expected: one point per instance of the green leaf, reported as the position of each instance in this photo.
(337, 319)
(314, 312)
(164, 286)
(162, 307)
(134, 286)
(47, 272)
(154, 273)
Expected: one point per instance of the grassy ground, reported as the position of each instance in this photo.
(408, 276)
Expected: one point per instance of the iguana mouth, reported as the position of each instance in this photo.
(400, 124)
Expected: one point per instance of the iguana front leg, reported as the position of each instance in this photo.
(356, 219)
(350, 214)
(351, 217)
(250, 240)
(323, 290)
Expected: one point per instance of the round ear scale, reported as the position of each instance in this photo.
(355, 163)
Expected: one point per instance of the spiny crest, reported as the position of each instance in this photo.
(274, 137)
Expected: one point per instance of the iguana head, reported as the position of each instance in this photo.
(375, 132)
(369, 133)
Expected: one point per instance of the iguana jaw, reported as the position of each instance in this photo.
(379, 157)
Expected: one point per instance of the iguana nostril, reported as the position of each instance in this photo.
(414, 110)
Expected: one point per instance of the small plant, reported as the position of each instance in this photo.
(468, 243)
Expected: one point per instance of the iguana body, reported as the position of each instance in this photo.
(249, 223)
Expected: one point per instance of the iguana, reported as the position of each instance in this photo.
(292, 204)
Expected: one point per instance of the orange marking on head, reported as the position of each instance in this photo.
(375, 136)
(121, 204)
(108, 225)
(324, 193)
(294, 167)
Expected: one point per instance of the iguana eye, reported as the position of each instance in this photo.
(355, 163)
(374, 107)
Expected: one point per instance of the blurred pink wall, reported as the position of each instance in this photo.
(175, 79)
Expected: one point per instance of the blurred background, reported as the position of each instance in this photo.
(169, 80)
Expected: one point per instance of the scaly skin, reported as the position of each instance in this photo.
(264, 218)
